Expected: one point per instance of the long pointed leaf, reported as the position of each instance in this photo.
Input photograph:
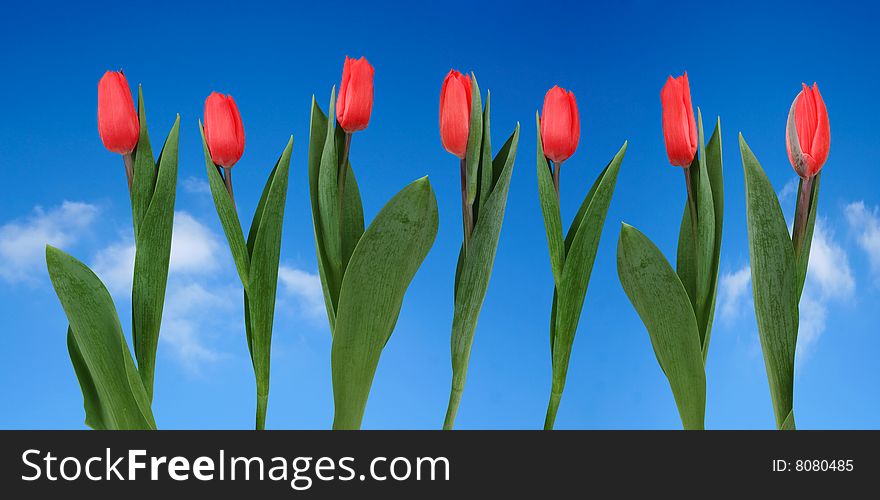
(144, 176)
(151, 262)
(773, 282)
(578, 267)
(550, 211)
(228, 216)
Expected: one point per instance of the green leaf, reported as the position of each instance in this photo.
(474, 272)
(578, 267)
(716, 179)
(144, 176)
(100, 354)
(773, 282)
(803, 257)
(486, 170)
(550, 211)
(658, 296)
(705, 232)
(228, 215)
(474, 144)
(328, 206)
(265, 256)
(317, 137)
(381, 268)
(701, 284)
(352, 226)
(151, 262)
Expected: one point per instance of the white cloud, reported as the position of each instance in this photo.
(829, 279)
(865, 224)
(829, 270)
(192, 309)
(194, 184)
(194, 247)
(194, 250)
(734, 293)
(306, 287)
(23, 242)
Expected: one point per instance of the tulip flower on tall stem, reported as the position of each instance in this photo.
(257, 258)
(364, 273)
(779, 260)
(94, 338)
(485, 182)
(571, 256)
(678, 306)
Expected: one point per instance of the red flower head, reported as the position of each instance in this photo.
(807, 133)
(224, 132)
(679, 127)
(455, 112)
(560, 125)
(355, 102)
(118, 123)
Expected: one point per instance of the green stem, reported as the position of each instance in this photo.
(552, 408)
(802, 214)
(262, 405)
(557, 166)
(227, 179)
(129, 169)
(452, 409)
(467, 213)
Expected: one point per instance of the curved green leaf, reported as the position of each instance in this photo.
(475, 270)
(228, 215)
(143, 180)
(381, 268)
(99, 347)
(550, 211)
(260, 298)
(328, 205)
(578, 267)
(773, 282)
(658, 296)
(474, 144)
(151, 262)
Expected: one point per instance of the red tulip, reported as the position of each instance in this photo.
(455, 112)
(224, 132)
(355, 100)
(560, 125)
(809, 139)
(118, 123)
(679, 127)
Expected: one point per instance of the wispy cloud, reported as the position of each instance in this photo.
(22, 242)
(789, 190)
(829, 279)
(865, 224)
(306, 288)
(196, 185)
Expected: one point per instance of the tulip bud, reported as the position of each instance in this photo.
(679, 126)
(118, 123)
(224, 132)
(560, 125)
(355, 101)
(807, 132)
(455, 112)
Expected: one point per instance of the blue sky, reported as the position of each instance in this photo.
(745, 62)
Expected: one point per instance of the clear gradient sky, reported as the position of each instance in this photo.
(746, 61)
